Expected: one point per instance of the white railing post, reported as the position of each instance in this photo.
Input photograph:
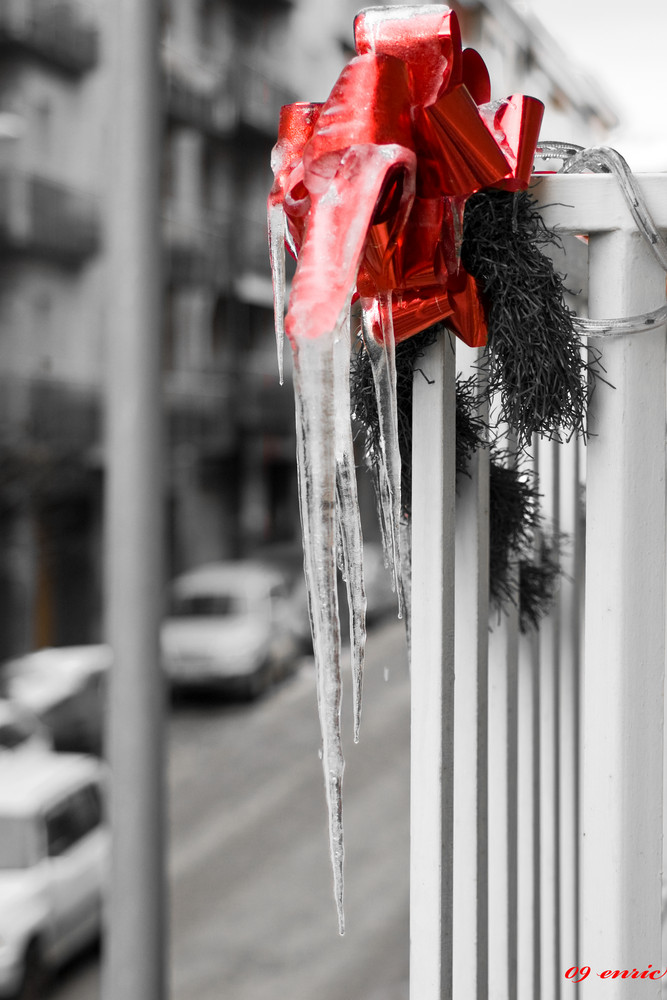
(470, 917)
(625, 627)
(432, 673)
(622, 795)
(549, 667)
(503, 733)
(528, 819)
(571, 618)
(503, 792)
(529, 935)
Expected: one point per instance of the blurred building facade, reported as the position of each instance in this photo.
(230, 485)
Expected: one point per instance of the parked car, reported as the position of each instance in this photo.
(20, 729)
(228, 628)
(54, 849)
(64, 687)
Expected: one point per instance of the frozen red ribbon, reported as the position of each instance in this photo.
(373, 182)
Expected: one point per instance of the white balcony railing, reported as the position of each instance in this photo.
(537, 764)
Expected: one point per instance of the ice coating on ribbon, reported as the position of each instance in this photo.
(369, 194)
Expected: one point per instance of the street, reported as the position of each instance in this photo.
(252, 909)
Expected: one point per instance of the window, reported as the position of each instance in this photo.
(13, 734)
(69, 821)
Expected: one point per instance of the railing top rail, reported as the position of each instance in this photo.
(594, 203)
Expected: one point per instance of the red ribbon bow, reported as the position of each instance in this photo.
(373, 182)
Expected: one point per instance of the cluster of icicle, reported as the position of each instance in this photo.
(352, 166)
(330, 520)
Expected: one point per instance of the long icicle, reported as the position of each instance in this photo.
(276, 227)
(315, 426)
(351, 543)
(379, 339)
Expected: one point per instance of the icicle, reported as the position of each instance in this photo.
(349, 521)
(406, 578)
(315, 427)
(276, 226)
(377, 319)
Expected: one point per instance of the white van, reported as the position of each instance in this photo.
(54, 849)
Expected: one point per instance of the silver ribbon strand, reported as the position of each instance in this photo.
(603, 159)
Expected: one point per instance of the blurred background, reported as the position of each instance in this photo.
(249, 871)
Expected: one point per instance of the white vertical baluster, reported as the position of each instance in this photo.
(512, 665)
(571, 597)
(528, 817)
(549, 785)
(432, 673)
(470, 970)
(528, 898)
(503, 662)
(625, 629)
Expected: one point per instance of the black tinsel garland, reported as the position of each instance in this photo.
(515, 522)
(534, 366)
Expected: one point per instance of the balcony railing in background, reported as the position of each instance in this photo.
(43, 217)
(251, 246)
(54, 30)
(218, 98)
(198, 91)
(201, 411)
(197, 251)
(260, 98)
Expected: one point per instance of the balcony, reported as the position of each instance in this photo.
(52, 30)
(198, 93)
(259, 99)
(252, 246)
(197, 252)
(46, 219)
(217, 99)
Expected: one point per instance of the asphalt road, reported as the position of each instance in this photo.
(252, 910)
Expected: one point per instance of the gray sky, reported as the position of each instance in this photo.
(622, 45)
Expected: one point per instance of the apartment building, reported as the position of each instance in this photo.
(230, 484)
